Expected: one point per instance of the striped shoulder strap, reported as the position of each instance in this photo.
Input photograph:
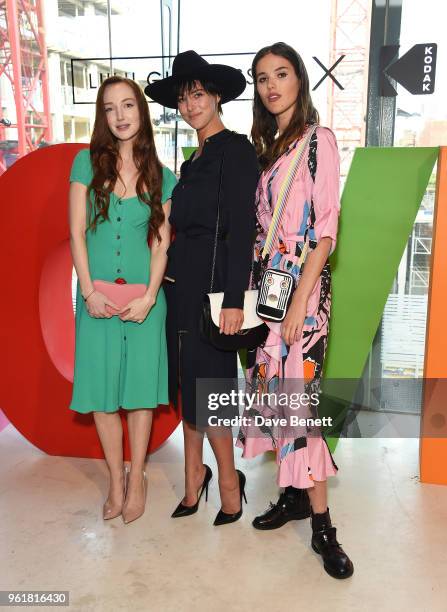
(284, 191)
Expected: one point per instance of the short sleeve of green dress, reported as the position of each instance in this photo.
(120, 364)
(81, 170)
(169, 182)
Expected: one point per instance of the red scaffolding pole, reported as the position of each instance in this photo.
(24, 64)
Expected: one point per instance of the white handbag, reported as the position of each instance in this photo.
(251, 318)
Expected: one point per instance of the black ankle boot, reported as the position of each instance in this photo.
(324, 542)
(292, 505)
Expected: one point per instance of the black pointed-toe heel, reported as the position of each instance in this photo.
(183, 510)
(222, 517)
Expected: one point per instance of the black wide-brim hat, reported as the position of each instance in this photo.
(189, 65)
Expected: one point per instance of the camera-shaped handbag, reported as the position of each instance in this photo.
(275, 294)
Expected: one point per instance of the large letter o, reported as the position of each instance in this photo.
(37, 322)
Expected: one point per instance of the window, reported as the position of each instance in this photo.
(70, 8)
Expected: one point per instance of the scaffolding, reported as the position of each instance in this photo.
(350, 28)
(24, 63)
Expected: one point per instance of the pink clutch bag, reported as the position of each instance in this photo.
(119, 293)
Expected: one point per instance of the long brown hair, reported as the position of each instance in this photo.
(264, 127)
(104, 153)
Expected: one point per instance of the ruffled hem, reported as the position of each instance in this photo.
(301, 467)
(253, 446)
(298, 468)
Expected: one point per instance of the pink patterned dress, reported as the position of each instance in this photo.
(312, 213)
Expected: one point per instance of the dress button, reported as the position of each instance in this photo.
(118, 252)
(118, 219)
(118, 237)
(125, 337)
(118, 270)
(120, 203)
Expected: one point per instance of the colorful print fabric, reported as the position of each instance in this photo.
(312, 213)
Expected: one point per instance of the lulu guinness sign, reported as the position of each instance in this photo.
(146, 68)
(142, 69)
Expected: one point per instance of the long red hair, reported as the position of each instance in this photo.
(104, 153)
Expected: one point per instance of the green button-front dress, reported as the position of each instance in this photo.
(117, 363)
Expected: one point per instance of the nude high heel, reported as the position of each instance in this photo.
(108, 512)
(135, 513)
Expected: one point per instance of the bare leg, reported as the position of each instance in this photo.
(221, 440)
(318, 496)
(110, 432)
(194, 468)
(139, 423)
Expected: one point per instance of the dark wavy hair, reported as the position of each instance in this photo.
(264, 129)
(104, 153)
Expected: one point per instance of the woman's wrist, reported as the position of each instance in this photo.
(300, 298)
(86, 294)
(150, 296)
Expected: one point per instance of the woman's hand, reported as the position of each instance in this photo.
(138, 309)
(97, 304)
(230, 320)
(292, 326)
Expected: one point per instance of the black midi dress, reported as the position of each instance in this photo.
(229, 160)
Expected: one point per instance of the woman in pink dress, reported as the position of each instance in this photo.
(292, 356)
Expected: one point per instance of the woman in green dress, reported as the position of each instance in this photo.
(119, 199)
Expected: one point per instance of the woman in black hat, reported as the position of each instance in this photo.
(223, 170)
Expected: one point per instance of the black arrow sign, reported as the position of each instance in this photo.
(416, 69)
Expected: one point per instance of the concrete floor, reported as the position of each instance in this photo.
(53, 537)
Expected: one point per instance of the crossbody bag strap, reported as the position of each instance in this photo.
(284, 193)
(302, 257)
